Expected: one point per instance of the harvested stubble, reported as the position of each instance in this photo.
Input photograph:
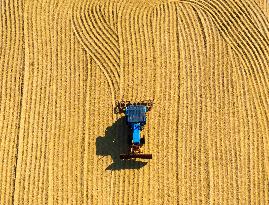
(65, 63)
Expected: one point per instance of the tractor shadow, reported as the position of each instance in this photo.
(114, 143)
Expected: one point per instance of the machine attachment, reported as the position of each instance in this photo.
(135, 152)
(121, 105)
(135, 156)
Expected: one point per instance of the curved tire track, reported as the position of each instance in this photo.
(99, 39)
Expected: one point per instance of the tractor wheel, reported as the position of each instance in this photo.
(142, 140)
(129, 140)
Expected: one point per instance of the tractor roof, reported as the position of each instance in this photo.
(136, 113)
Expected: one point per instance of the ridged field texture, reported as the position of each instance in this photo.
(64, 64)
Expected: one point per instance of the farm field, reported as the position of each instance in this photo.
(63, 66)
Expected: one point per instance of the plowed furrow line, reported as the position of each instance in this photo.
(237, 39)
(98, 29)
(122, 51)
(152, 20)
(66, 104)
(217, 148)
(146, 69)
(163, 103)
(239, 8)
(200, 38)
(128, 60)
(93, 25)
(59, 160)
(54, 147)
(137, 39)
(110, 36)
(138, 28)
(111, 11)
(54, 113)
(33, 152)
(260, 20)
(246, 195)
(94, 125)
(108, 74)
(230, 133)
(181, 105)
(5, 75)
(146, 44)
(174, 100)
(248, 38)
(192, 108)
(83, 80)
(25, 141)
(38, 171)
(85, 140)
(158, 150)
(240, 114)
(225, 124)
(261, 101)
(178, 145)
(263, 5)
(60, 92)
(98, 51)
(9, 97)
(156, 53)
(211, 51)
(248, 150)
(149, 64)
(168, 100)
(209, 34)
(151, 132)
(195, 42)
(189, 176)
(213, 57)
(5, 47)
(221, 13)
(245, 40)
(133, 68)
(124, 41)
(40, 178)
(89, 173)
(101, 183)
(236, 128)
(11, 75)
(93, 37)
(200, 110)
(76, 90)
(184, 164)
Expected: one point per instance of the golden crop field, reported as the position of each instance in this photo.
(65, 63)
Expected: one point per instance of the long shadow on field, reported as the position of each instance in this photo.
(115, 143)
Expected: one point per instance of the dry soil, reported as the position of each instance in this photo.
(63, 65)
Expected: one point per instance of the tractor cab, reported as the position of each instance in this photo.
(136, 119)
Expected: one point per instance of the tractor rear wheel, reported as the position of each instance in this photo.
(142, 140)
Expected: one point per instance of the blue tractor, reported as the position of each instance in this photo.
(135, 114)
